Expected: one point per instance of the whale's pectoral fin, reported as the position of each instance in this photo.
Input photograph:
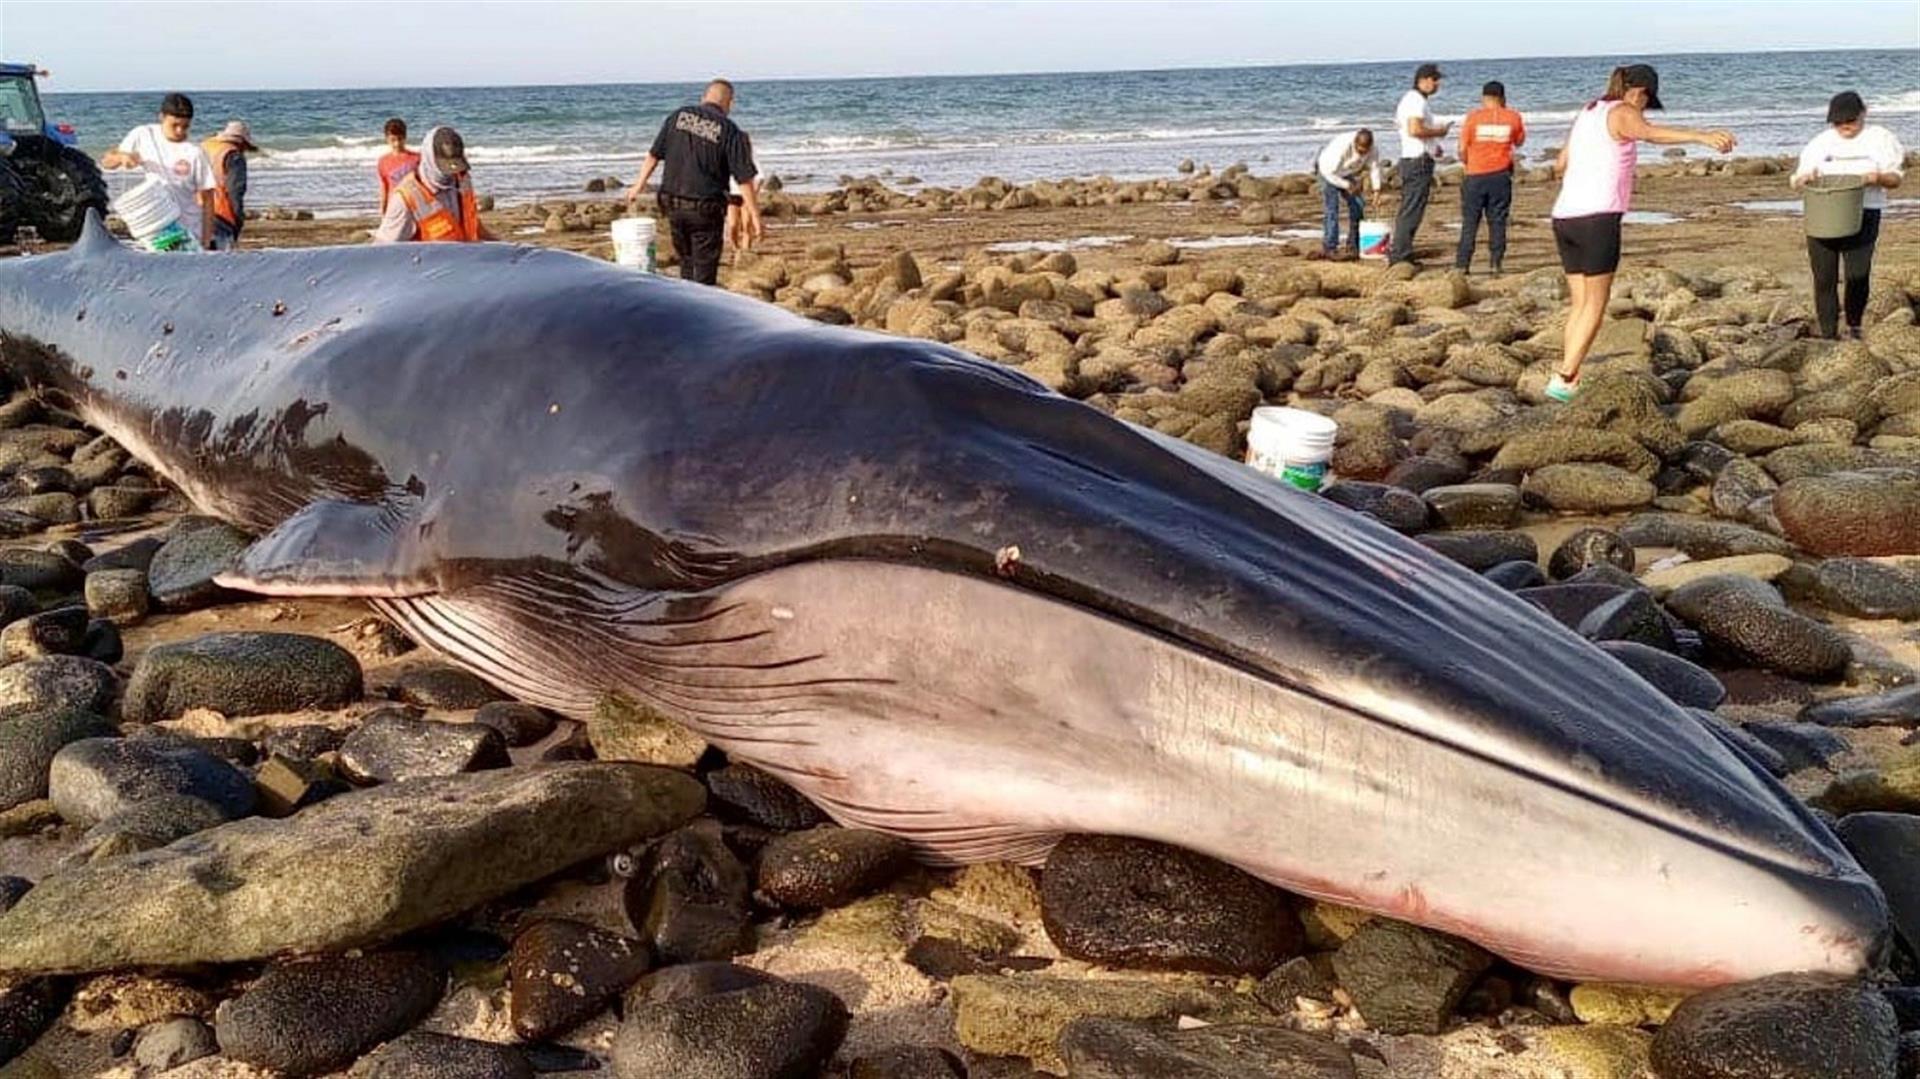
(337, 549)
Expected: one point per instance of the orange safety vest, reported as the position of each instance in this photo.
(217, 151)
(432, 223)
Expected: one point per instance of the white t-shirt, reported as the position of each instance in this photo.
(1874, 149)
(1415, 105)
(1340, 164)
(182, 165)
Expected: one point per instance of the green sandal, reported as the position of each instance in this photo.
(1559, 389)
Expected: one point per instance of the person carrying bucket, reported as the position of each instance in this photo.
(435, 203)
(1848, 147)
(702, 148)
(1596, 185)
(1339, 165)
(180, 166)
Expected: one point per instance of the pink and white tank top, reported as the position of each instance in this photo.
(1599, 177)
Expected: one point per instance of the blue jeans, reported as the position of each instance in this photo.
(1331, 220)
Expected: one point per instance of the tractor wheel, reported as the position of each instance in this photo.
(73, 186)
(13, 197)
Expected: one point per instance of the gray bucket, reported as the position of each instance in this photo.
(1833, 206)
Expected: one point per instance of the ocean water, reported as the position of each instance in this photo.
(538, 141)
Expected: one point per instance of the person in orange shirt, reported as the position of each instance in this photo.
(398, 162)
(1488, 137)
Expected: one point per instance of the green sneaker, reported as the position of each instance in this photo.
(1559, 389)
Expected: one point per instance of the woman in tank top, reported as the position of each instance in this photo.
(1596, 169)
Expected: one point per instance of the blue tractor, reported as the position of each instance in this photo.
(45, 181)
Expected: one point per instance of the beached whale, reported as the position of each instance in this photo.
(939, 599)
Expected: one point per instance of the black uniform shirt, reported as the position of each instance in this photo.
(701, 148)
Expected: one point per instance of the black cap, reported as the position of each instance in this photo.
(1643, 76)
(1495, 88)
(449, 151)
(1427, 71)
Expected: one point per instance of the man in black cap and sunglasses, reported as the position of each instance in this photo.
(1420, 147)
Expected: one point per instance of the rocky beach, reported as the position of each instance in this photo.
(246, 837)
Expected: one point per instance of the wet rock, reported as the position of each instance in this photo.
(1895, 707)
(1863, 589)
(1135, 903)
(423, 1054)
(69, 683)
(1098, 1048)
(313, 1016)
(148, 824)
(908, 1062)
(96, 778)
(1852, 513)
(1683, 682)
(688, 980)
(350, 872)
(28, 743)
(16, 603)
(11, 889)
(1023, 1015)
(286, 785)
(829, 866)
(779, 1029)
(1516, 575)
(691, 903)
(38, 571)
(114, 501)
(1481, 550)
(1588, 488)
(1613, 1004)
(1405, 979)
(1699, 537)
(561, 973)
(118, 595)
(1423, 473)
(1298, 977)
(303, 741)
(1570, 604)
(1800, 745)
(1586, 548)
(241, 674)
(1783, 1025)
(182, 571)
(103, 642)
(1568, 444)
(440, 686)
(137, 554)
(390, 747)
(1631, 616)
(1474, 505)
(1398, 509)
(1887, 846)
(743, 792)
(28, 1006)
(621, 729)
(944, 960)
(517, 724)
(1737, 486)
(1759, 631)
(172, 1042)
(58, 632)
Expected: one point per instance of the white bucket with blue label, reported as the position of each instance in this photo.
(1375, 237)
(1291, 445)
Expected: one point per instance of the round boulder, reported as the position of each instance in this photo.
(241, 674)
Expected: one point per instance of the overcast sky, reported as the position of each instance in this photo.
(231, 46)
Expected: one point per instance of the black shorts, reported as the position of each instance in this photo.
(1588, 245)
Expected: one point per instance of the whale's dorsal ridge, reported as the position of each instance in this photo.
(95, 241)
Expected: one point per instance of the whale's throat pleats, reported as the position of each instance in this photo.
(733, 666)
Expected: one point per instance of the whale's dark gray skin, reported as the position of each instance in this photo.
(938, 598)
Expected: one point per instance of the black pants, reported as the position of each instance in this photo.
(698, 233)
(1826, 256)
(1490, 194)
(1416, 179)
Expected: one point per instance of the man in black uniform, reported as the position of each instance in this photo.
(702, 149)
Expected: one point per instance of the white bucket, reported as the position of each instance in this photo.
(149, 212)
(1291, 445)
(1375, 236)
(633, 243)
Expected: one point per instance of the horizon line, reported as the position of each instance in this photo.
(1004, 74)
